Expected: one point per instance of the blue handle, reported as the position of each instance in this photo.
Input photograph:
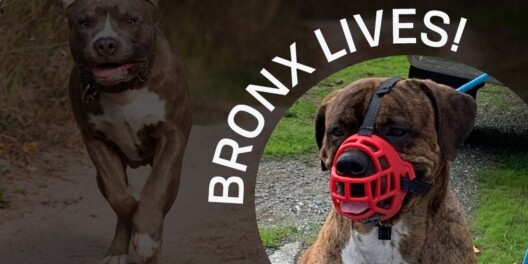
(473, 83)
(525, 261)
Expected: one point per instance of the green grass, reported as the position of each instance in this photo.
(501, 221)
(294, 133)
(491, 95)
(274, 237)
(3, 201)
(383, 67)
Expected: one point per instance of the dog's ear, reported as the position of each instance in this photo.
(320, 129)
(66, 3)
(455, 114)
(155, 3)
(320, 126)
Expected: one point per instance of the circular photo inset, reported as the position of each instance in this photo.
(365, 168)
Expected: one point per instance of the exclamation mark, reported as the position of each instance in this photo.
(458, 35)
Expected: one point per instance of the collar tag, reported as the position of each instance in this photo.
(143, 74)
(90, 93)
(384, 232)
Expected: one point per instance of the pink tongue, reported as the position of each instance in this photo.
(111, 73)
(354, 207)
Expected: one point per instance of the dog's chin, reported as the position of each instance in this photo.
(114, 80)
(373, 220)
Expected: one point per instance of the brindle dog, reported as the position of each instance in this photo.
(426, 123)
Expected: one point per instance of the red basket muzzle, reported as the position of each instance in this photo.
(359, 197)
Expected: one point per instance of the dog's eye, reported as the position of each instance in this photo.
(132, 20)
(338, 132)
(398, 132)
(85, 22)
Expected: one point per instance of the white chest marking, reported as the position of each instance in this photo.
(125, 114)
(368, 249)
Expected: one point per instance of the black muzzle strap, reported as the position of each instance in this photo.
(369, 123)
(367, 129)
(415, 186)
(368, 126)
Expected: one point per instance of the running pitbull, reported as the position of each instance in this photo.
(425, 123)
(130, 100)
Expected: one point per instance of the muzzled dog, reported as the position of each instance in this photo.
(130, 101)
(388, 144)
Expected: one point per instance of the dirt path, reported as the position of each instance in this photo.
(56, 214)
(60, 216)
(45, 220)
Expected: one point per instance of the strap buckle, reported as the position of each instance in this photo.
(90, 93)
(143, 75)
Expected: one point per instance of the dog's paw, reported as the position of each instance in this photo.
(146, 247)
(120, 259)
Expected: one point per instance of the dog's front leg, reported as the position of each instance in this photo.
(158, 195)
(111, 179)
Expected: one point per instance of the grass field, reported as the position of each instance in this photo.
(501, 221)
(294, 133)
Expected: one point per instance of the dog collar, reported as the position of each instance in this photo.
(93, 89)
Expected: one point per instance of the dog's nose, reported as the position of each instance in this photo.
(105, 46)
(355, 163)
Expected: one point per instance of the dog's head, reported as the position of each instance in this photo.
(111, 40)
(424, 121)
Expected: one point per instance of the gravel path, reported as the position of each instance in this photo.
(294, 190)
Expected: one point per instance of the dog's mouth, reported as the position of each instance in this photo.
(114, 73)
(358, 191)
(354, 207)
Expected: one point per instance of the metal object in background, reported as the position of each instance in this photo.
(446, 72)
